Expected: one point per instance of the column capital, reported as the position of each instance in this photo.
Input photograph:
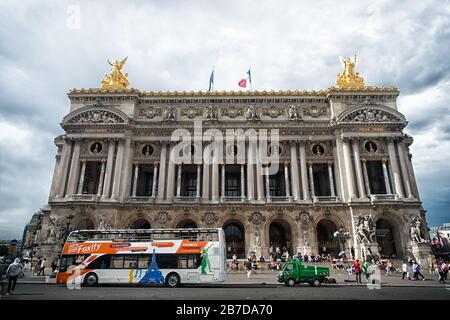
(103, 161)
(363, 160)
(135, 163)
(385, 161)
(330, 163)
(156, 163)
(83, 161)
(310, 163)
(286, 163)
(390, 139)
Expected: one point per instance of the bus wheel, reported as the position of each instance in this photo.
(316, 283)
(290, 282)
(91, 280)
(172, 280)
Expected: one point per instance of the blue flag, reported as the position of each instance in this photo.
(249, 76)
(211, 81)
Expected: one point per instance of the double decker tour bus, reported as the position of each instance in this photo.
(143, 256)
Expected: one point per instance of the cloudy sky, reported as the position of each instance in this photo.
(49, 47)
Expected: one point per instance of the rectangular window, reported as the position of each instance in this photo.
(130, 262)
(232, 184)
(144, 261)
(189, 184)
(116, 262)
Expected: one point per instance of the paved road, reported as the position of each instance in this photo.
(249, 292)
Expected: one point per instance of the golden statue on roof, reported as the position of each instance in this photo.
(348, 78)
(116, 79)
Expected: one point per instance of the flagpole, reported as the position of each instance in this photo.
(250, 75)
(213, 79)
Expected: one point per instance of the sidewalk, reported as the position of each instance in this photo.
(270, 278)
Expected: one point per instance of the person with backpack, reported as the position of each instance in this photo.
(12, 273)
(358, 270)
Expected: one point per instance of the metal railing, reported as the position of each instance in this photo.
(317, 199)
(383, 197)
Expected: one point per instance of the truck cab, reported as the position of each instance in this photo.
(295, 272)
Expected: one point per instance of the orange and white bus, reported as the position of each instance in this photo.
(143, 256)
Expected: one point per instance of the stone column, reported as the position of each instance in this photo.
(330, 177)
(268, 196)
(155, 178)
(250, 174)
(102, 176)
(135, 178)
(109, 167)
(395, 169)
(336, 176)
(215, 178)
(294, 171)
(118, 170)
(359, 175)
(179, 181)
(411, 174)
(199, 173)
(404, 169)
(127, 170)
(286, 179)
(366, 176)
(304, 171)
(205, 184)
(73, 175)
(222, 180)
(170, 176)
(242, 181)
(386, 177)
(81, 180)
(349, 169)
(162, 171)
(259, 177)
(311, 179)
(64, 168)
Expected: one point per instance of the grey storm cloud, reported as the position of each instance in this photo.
(49, 47)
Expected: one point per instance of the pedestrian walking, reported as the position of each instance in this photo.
(440, 273)
(405, 271)
(54, 266)
(365, 269)
(42, 267)
(248, 266)
(416, 271)
(357, 269)
(12, 273)
(445, 270)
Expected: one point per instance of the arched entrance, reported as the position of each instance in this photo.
(234, 239)
(386, 239)
(280, 235)
(84, 224)
(187, 223)
(140, 224)
(326, 241)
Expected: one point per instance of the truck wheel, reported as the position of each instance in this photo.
(316, 283)
(290, 282)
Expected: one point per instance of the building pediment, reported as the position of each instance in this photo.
(95, 116)
(371, 114)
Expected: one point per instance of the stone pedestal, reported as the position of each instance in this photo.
(306, 250)
(369, 248)
(421, 251)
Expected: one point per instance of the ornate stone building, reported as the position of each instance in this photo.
(345, 180)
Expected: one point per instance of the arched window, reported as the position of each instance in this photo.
(234, 239)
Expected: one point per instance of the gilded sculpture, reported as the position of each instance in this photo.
(348, 77)
(116, 79)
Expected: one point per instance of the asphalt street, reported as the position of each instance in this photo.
(248, 292)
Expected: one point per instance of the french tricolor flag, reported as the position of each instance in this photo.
(243, 82)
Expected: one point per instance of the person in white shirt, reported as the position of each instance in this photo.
(405, 271)
(42, 267)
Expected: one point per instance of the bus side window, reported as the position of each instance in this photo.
(144, 261)
(116, 262)
(130, 261)
(100, 263)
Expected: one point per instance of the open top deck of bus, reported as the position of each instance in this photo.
(142, 235)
